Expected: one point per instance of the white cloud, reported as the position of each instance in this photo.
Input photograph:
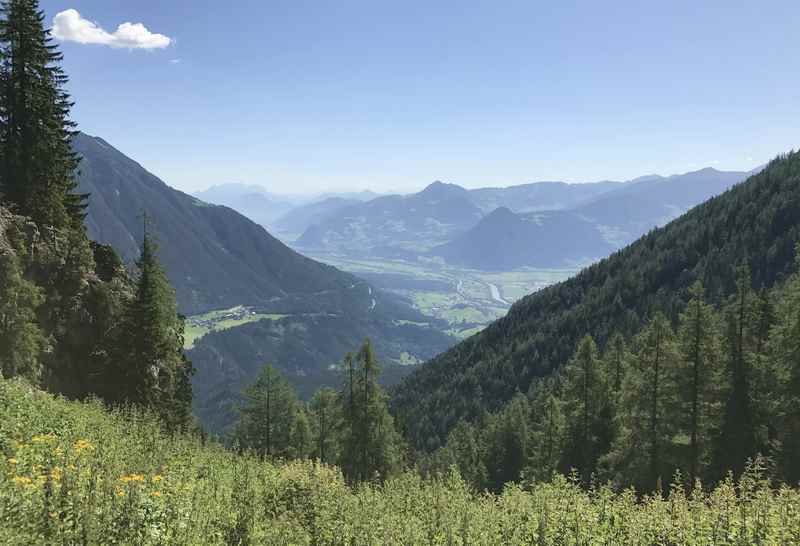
(69, 26)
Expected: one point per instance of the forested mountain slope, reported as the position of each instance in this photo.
(214, 256)
(756, 223)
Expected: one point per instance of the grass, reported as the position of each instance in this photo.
(199, 325)
(73, 473)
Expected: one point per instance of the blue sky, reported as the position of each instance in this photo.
(303, 96)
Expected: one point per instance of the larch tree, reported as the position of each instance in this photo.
(699, 379)
(325, 416)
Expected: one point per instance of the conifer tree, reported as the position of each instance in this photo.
(614, 360)
(37, 165)
(784, 352)
(585, 402)
(737, 441)
(370, 443)
(21, 340)
(699, 379)
(640, 455)
(268, 416)
(155, 373)
(325, 418)
(465, 449)
(547, 437)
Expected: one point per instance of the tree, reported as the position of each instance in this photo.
(784, 352)
(370, 443)
(155, 370)
(699, 379)
(547, 437)
(737, 441)
(614, 363)
(21, 340)
(325, 416)
(585, 404)
(37, 170)
(268, 417)
(641, 453)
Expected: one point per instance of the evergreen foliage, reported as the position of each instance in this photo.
(37, 171)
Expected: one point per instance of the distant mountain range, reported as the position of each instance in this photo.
(252, 201)
(542, 224)
(396, 223)
(216, 258)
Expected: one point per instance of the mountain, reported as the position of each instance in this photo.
(652, 201)
(214, 256)
(756, 223)
(299, 219)
(603, 223)
(503, 241)
(540, 195)
(396, 223)
(249, 200)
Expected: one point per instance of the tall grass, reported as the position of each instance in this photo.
(73, 473)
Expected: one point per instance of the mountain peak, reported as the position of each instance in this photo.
(439, 188)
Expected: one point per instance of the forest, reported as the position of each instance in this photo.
(652, 399)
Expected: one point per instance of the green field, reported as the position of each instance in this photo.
(464, 299)
(199, 325)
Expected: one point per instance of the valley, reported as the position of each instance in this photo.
(465, 299)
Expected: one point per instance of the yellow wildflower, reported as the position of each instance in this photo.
(82, 445)
(72, 467)
(132, 478)
(156, 493)
(157, 478)
(42, 438)
(120, 493)
(55, 474)
(22, 480)
(12, 460)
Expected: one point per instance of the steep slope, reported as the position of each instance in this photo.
(214, 256)
(251, 201)
(386, 224)
(540, 195)
(756, 223)
(296, 221)
(504, 240)
(652, 201)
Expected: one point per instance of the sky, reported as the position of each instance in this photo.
(312, 96)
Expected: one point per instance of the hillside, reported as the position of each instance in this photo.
(393, 223)
(74, 473)
(214, 256)
(756, 223)
(503, 241)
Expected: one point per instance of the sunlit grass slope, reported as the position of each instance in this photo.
(72, 473)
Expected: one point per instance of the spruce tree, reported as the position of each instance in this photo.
(699, 379)
(37, 169)
(155, 371)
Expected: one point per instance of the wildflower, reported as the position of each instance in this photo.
(22, 480)
(156, 493)
(82, 445)
(72, 467)
(58, 452)
(12, 460)
(157, 478)
(120, 493)
(132, 478)
(42, 438)
(55, 474)
(54, 515)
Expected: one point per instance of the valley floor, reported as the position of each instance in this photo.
(467, 299)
